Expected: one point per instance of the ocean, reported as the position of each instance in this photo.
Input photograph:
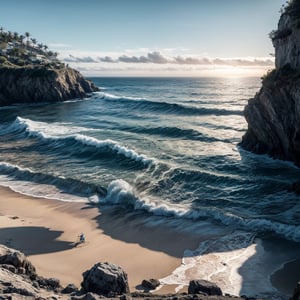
(165, 151)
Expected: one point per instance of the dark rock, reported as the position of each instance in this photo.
(41, 84)
(105, 279)
(204, 286)
(48, 283)
(273, 115)
(296, 294)
(10, 268)
(17, 259)
(150, 284)
(21, 271)
(35, 284)
(20, 291)
(70, 288)
(88, 296)
(125, 297)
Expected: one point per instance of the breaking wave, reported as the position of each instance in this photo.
(119, 192)
(29, 182)
(57, 134)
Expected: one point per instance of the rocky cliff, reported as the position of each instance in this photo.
(41, 84)
(273, 115)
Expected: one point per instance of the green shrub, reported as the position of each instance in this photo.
(3, 60)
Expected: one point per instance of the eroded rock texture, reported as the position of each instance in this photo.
(273, 115)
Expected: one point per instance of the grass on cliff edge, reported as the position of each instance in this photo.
(286, 74)
(20, 63)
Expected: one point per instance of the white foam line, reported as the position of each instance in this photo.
(216, 265)
(44, 131)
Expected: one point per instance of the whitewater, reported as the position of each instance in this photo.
(166, 149)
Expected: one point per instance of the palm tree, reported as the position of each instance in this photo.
(16, 36)
(27, 34)
(50, 53)
(2, 33)
(9, 36)
(34, 41)
(45, 47)
(21, 38)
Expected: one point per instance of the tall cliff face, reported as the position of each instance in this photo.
(40, 84)
(286, 41)
(273, 115)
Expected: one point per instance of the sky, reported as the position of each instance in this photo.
(152, 37)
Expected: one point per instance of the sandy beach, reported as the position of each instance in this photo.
(46, 230)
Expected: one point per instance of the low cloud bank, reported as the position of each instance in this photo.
(158, 58)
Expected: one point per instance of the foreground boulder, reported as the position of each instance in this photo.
(273, 115)
(16, 262)
(15, 284)
(105, 279)
(205, 287)
(41, 84)
(150, 284)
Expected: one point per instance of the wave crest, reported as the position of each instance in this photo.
(122, 193)
(32, 183)
(165, 107)
(42, 131)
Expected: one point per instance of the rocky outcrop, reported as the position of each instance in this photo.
(105, 279)
(16, 262)
(41, 84)
(150, 284)
(204, 287)
(286, 39)
(273, 115)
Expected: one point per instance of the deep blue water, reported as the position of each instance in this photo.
(161, 146)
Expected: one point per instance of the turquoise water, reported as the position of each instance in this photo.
(166, 148)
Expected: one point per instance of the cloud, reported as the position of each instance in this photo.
(157, 57)
(107, 59)
(191, 61)
(152, 57)
(87, 59)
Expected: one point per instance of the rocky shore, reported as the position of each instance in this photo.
(32, 84)
(273, 115)
(19, 280)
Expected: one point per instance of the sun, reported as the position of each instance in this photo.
(233, 71)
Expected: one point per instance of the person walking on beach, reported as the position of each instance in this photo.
(82, 238)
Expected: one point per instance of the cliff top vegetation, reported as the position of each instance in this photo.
(19, 50)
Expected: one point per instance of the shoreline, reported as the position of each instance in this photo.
(283, 283)
(46, 230)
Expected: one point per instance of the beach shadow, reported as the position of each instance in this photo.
(133, 227)
(272, 253)
(33, 240)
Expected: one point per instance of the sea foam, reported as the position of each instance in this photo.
(226, 261)
(35, 184)
(49, 132)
